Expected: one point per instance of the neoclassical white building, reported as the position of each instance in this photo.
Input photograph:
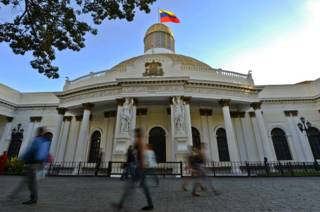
(178, 100)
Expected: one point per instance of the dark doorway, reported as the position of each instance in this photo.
(196, 138)
(314, 140)
(222, 145)
(157, 138)
(280, 144)
(16, 141)
(94, 147)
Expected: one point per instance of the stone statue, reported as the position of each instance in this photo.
(126, 116)
(179, 115)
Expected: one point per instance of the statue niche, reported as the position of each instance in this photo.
(153, 69)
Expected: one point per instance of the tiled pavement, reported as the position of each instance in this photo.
(237, 194)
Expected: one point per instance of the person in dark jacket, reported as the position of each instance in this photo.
(34, 158)
(129, 166)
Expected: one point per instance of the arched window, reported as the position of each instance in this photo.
(94, 147)
(280, 144)
(196, 142)
(222, 145)
(314, 140)
(15, 142)
(157, 138)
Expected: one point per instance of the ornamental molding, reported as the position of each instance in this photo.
(156, 81)
(153, 68)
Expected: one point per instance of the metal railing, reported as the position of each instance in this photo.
(180, 169)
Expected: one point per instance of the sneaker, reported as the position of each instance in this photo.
(147, 208)
(30, 202)
(195, 194)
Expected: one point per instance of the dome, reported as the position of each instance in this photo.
(185, 62)
(159, 39)
(159, 28)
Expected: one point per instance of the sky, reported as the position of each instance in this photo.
(279, 40)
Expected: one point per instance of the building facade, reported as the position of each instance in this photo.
(179, 102)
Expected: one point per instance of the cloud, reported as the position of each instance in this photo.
(291, 58)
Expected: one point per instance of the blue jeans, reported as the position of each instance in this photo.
(137, 175)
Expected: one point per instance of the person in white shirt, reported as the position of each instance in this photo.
(151, 163)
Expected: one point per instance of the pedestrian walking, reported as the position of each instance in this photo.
(129, 166)
(34, 158)
(98, 163)
(139, 175)
(151, 164)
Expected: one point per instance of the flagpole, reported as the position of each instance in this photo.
(158, 14)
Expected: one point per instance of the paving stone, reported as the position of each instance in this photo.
(80, 194)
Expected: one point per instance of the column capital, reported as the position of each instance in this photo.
(61, 110)
(87, 106)
(289, 113)
(67, 118)
(79, 118)
(256, 105)
(35, 118)
(252, 114)
(9, 119)
(225, 102)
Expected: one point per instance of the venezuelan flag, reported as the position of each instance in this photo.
(167, 16)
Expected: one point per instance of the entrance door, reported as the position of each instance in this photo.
(157, 138)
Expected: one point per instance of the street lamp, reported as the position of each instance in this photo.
(304, 125)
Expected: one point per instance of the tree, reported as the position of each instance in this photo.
(44, 26)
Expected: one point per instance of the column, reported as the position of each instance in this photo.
(84, 132)
(64, 138)
(251, 146)
(181, 126)
(206, 137)
(239, 136)
(72, 139)
(266, 143)
(30, 133)
(56, 134)
(304, 141)
(125, 124)
(232, 143)
(5, 138)
(109, 129)
(213, 140)
(75, 137)
(295, 144)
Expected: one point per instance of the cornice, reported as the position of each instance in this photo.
(184, 81)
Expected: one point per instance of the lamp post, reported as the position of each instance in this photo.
(304, 125)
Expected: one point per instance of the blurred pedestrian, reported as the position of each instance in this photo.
(139, 174)
(206, 182)
(3, 162)
(98, 162)
(34, 158)
(151, 164)
(188, 168)
(129, 166)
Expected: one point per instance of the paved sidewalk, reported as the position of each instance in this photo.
(238, 194)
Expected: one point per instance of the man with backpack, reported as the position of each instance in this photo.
(34, 158)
